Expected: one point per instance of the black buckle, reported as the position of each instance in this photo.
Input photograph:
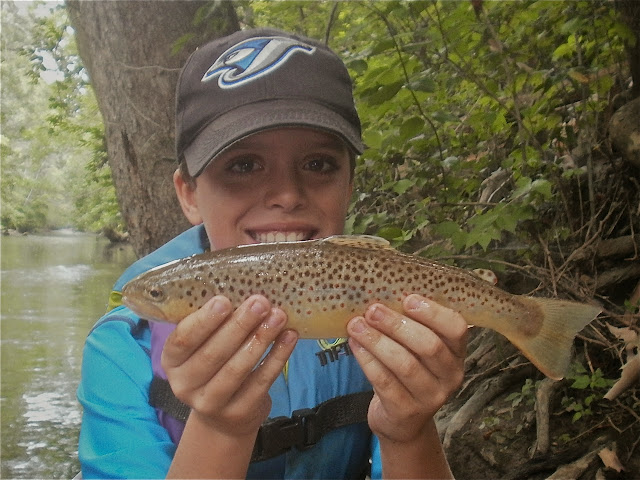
(306, 418)
(280, 434)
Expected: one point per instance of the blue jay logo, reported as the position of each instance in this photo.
(253, 58)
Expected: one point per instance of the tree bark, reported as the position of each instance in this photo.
(128, 50)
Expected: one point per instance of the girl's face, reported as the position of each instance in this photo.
(278, 185)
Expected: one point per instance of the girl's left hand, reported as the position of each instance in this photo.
(414, 361)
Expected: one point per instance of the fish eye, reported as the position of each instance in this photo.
(155, 293)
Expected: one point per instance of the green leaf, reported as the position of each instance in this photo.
(482, 238)
(411, 127)
(359, 66)
(444, 116)
(543, 187)
(447, 228)
(424, 84)
(372, 138)
(581, 382)
(401, 186)
(384, 93)
(565, 50)
(389, 232)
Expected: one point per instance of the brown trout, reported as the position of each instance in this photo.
(322, 284)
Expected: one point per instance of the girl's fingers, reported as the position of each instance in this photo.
(229, 378)
(389, 364)
(215, 360)
(447, 324)
(382, 378)
(265, 374)
(409, 344)
(413, 361)
(194, 330)
(233, 333)
(191, 366)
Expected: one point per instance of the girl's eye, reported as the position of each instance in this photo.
(243, 165)
(322, 164)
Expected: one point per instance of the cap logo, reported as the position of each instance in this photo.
(252, 59)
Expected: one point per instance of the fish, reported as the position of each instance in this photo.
(321, 284)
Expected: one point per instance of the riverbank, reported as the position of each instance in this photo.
(110, 234)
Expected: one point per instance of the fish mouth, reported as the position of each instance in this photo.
(271, 236)
(145, 310)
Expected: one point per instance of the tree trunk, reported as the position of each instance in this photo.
(128, 50)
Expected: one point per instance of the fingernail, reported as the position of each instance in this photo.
(258, 307)
(288, 337)
(357, 325)
(414, 302)
(275, 319)
(218, 306)
(376, 314)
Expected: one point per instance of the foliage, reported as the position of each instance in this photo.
(587, 386)
(24, 194)
(487, 136)
(526, 395)
(448, 97)
(54, 171)
(466, 99)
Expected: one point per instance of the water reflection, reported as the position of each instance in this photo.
(54, 288)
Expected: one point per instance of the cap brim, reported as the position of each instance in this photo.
(249, 119)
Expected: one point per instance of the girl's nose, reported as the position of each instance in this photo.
(286, 191)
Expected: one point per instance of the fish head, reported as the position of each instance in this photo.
(154, 296)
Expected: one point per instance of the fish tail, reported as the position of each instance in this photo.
(550, 348)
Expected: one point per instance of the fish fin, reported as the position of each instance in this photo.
(484, 274)
(358, 241)
(550, 348)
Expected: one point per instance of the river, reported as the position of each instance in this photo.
(54, 288)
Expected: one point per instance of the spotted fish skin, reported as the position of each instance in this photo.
(322, 284)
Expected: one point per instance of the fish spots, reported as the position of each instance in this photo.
(318, 283)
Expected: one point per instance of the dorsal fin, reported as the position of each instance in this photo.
(359, 241)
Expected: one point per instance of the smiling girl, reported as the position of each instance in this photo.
(266, 135)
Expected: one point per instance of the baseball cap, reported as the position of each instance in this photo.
(255, 80)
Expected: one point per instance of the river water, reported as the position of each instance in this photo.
(54, 288)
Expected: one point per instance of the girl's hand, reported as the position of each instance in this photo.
(211, 357)
(414, 361)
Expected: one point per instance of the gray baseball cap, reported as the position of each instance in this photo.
(256, 80)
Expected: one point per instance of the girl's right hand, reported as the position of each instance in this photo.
(212, 362)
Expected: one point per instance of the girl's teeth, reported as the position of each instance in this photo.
(271, 237)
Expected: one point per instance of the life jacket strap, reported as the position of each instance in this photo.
(278, 435)
(161, 396)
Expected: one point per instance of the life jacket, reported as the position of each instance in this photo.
(299, 429)
(188, 243)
